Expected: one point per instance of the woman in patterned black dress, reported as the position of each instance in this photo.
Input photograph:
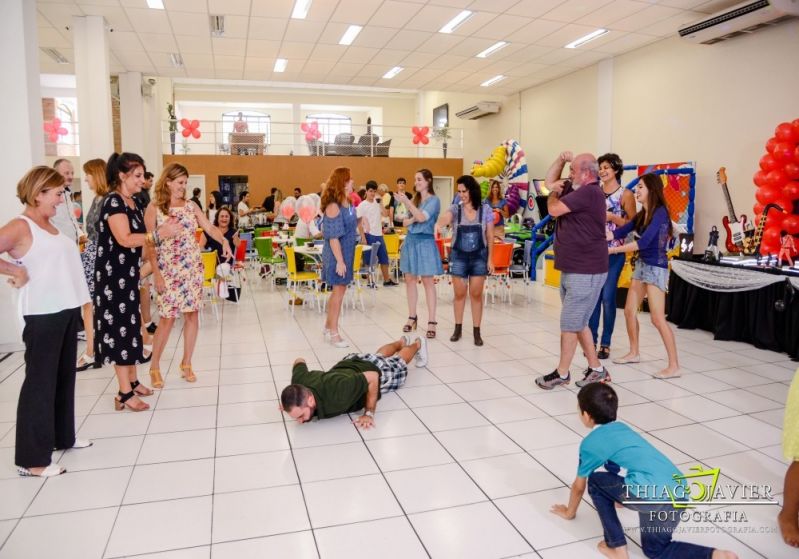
(120, 237)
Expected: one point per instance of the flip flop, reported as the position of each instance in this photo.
(678, 374)
(623, 361)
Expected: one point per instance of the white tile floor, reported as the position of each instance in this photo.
(465, 461)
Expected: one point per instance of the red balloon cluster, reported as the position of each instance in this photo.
(190, 128)
(420, 135)
(777, 182)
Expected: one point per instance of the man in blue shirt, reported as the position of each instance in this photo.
(650, 477)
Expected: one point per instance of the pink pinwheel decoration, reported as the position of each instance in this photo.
(190, 128)
(420, 135)
(53, 129)
(311, 130)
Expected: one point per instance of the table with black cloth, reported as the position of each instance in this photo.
(746, 314)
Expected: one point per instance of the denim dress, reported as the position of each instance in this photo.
(343, 227)
(419, 255)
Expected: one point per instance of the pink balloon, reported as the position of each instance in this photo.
(195, 133)
(184, 122)
(287, 210)
(195, 124)
(186, 132)
(53, 137)
(307, 213)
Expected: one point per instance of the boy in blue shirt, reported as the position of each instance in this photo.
(649, 478)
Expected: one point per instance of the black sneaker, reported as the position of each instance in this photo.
(553, 379)
(389, 283)
(590, 375)
(151, 327)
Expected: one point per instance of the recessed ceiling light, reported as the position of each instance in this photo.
(280, 65)
(176, 60)
(393, 72)
(587, 38)
(492, 49)
(55, 55)
(155, 4)
(349, 35)
(492, 81)
(301, 8)
(217, 24)
(455, 22)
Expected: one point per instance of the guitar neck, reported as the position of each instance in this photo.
(730, 209)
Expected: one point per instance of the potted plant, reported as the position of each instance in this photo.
(441, 134)
(173, 125)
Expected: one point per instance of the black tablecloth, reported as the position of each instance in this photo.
(747, 316)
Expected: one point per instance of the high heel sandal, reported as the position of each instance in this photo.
(121, 402)
(413, 321)
(86, 361)
(456, 335)
(144, 390)
(156, 379)
(431, 333)
(187, 373)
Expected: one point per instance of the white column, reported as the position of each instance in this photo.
(21, 115)
(131, 112)
(92, 77)
(298, 139)
(604, 124)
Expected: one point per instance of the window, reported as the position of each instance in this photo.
(331, 124)
(66, 110)
(257, 122)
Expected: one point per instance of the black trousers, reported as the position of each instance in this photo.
(46, 407)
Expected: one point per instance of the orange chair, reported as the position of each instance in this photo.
(502, 259)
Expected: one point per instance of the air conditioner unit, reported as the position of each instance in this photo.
(746, 17)
(481, 109)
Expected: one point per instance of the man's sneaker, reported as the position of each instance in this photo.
(590, 375)
(421, 355)
(553, 379)
(151, 326)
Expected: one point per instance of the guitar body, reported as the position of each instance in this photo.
(736, 233)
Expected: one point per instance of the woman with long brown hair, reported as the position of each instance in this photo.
(652, 225)
(500, 207)
(94, 172)
(340, 228)
(177, 266)
(419, 257)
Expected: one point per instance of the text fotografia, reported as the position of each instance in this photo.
(699, 487)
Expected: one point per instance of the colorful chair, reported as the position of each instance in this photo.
(295, 279)
(209, 275)
(355, 288)
(502, 260)
(268, 261)
(392, 242)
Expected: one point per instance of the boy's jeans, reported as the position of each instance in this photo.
(607, 489)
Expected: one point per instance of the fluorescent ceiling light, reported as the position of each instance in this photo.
(393, 72)
(301, 8)
(492, 81)
(349, 35)
(55, 55)
(492, 49)
(455, 22)
(587, 38)
(280, 65)
(176, 60)
(217, 24)
(155, 4)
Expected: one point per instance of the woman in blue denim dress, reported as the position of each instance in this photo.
(471, 257)
(419, 257)
(340, 228)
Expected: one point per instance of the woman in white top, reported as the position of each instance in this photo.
(243, 207)
(52, 288)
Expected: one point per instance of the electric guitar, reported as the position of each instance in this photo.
(735, 227)
(754, 248)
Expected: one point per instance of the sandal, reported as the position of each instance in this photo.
(143, 390)
(86, 361)
(411, 324)
(51, 470)
(431, 333)
(156, 379)
(604, 352)
(121, 402)
(187, 373)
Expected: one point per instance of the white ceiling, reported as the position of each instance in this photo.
(395, 33)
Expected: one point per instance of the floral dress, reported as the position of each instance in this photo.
(117, 316)
(181, 265)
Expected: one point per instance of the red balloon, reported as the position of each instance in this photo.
(767, 248)
(796, 155)
(783, 203)
(786, 132)
(776, 178)
(767, 194)
(186, 132)
(774, 219)
(757, 209)
(770, 144)
(791, 191)
(760, 178)
(771, 236)
(791, 224)
(195, 133)
(184, 122)
(783, 152)
(768, 163)
(791, 169)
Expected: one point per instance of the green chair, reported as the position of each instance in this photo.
(259, 230)
(269, 262)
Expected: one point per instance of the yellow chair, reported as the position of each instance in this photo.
(209, 274)
(392, 242)
(294, 278)
(355, 284)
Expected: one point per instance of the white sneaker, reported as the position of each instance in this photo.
(406, 339)
(82, 443)
(337, 341)
(53, 469)
(421, 355)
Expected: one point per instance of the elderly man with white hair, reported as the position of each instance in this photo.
(578, 203)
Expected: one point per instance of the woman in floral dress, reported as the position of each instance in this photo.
(177, 266)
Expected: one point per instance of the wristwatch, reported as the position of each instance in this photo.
(369, 413)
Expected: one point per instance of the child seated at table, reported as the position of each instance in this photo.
(647, 487)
